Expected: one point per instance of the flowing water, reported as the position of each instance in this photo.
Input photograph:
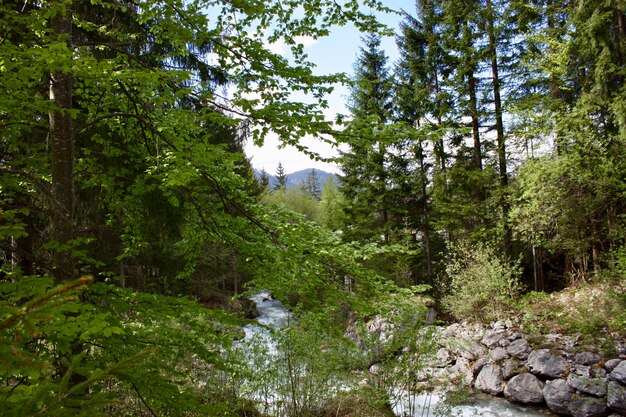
(274, 315)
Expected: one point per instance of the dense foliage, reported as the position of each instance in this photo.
(504, 127)
(121, 159)
(122, 126)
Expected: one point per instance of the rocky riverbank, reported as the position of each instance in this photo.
(556, 372)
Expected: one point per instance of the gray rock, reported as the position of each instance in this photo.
(462, 372)
(504, 342)
(619, 373)
(588, 407)
(473, 351)
(611, 364)
(498, 355)
(591, 386)
(499, 325)
(463, 345)
(490, 380)
(374, 369)
(493, 338)
(561, 399)
(581, 370)
(440, 359)
(451, 330)
(524, 388)
(616, 397)
(558, 395)
(587, 358)
(544, 363)
(478, 364)
(566, 343)
(519, 349)
(510, 368)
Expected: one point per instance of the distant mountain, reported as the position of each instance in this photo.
(295, 178)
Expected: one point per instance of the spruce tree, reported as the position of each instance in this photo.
(364, 179)
(281, 178)
(264, 180)
(312, 185)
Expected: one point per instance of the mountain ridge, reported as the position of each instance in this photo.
(295, 178)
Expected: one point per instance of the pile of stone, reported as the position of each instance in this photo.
(499, 360)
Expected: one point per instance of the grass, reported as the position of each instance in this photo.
(593, 311)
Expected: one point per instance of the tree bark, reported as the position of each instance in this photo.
(426, 222)
(473, 104)
(504, 178)
(62, 152)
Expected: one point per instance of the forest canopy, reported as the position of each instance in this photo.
(131, 219)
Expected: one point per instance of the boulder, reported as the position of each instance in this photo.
(519, 349)
(466, 348)
(524, 388)
(588, 407)
(558, 395)
(462, 372)
(587, 358)
(490, 380)
(591, 386)
(510, 368)
(478, 364)
(616, 397)
(562, 399)
(619, 373)
(442, 358)
(543, 362)
(581, 370)
(492, 338)
(505, 342)
(497, 355)
(611, 364)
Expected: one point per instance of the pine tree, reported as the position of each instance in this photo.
(281, 178)
(364, 179)
(264, 180)
(311, 185)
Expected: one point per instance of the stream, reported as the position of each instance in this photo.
(274, 315)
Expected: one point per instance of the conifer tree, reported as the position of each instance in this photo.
(364, 179)
(311, 185)
(264, 180)
(281, 178)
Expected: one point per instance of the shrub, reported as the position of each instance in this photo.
(365, 402)
(481, 285)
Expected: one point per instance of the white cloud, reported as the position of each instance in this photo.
(279, 47)
(270, 154)
(306, 41)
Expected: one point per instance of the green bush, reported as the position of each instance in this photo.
(481, 285)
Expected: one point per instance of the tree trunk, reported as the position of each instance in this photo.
(426, 222)
(596, 248)
(473, 104)
(504, 178)
(477, 152)
(62, 153)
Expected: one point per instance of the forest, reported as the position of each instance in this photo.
(483, 172)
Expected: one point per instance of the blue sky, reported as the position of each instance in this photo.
(335, 53)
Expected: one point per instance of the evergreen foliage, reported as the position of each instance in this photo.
(506, 132)
(281, 178)
(502, 126)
